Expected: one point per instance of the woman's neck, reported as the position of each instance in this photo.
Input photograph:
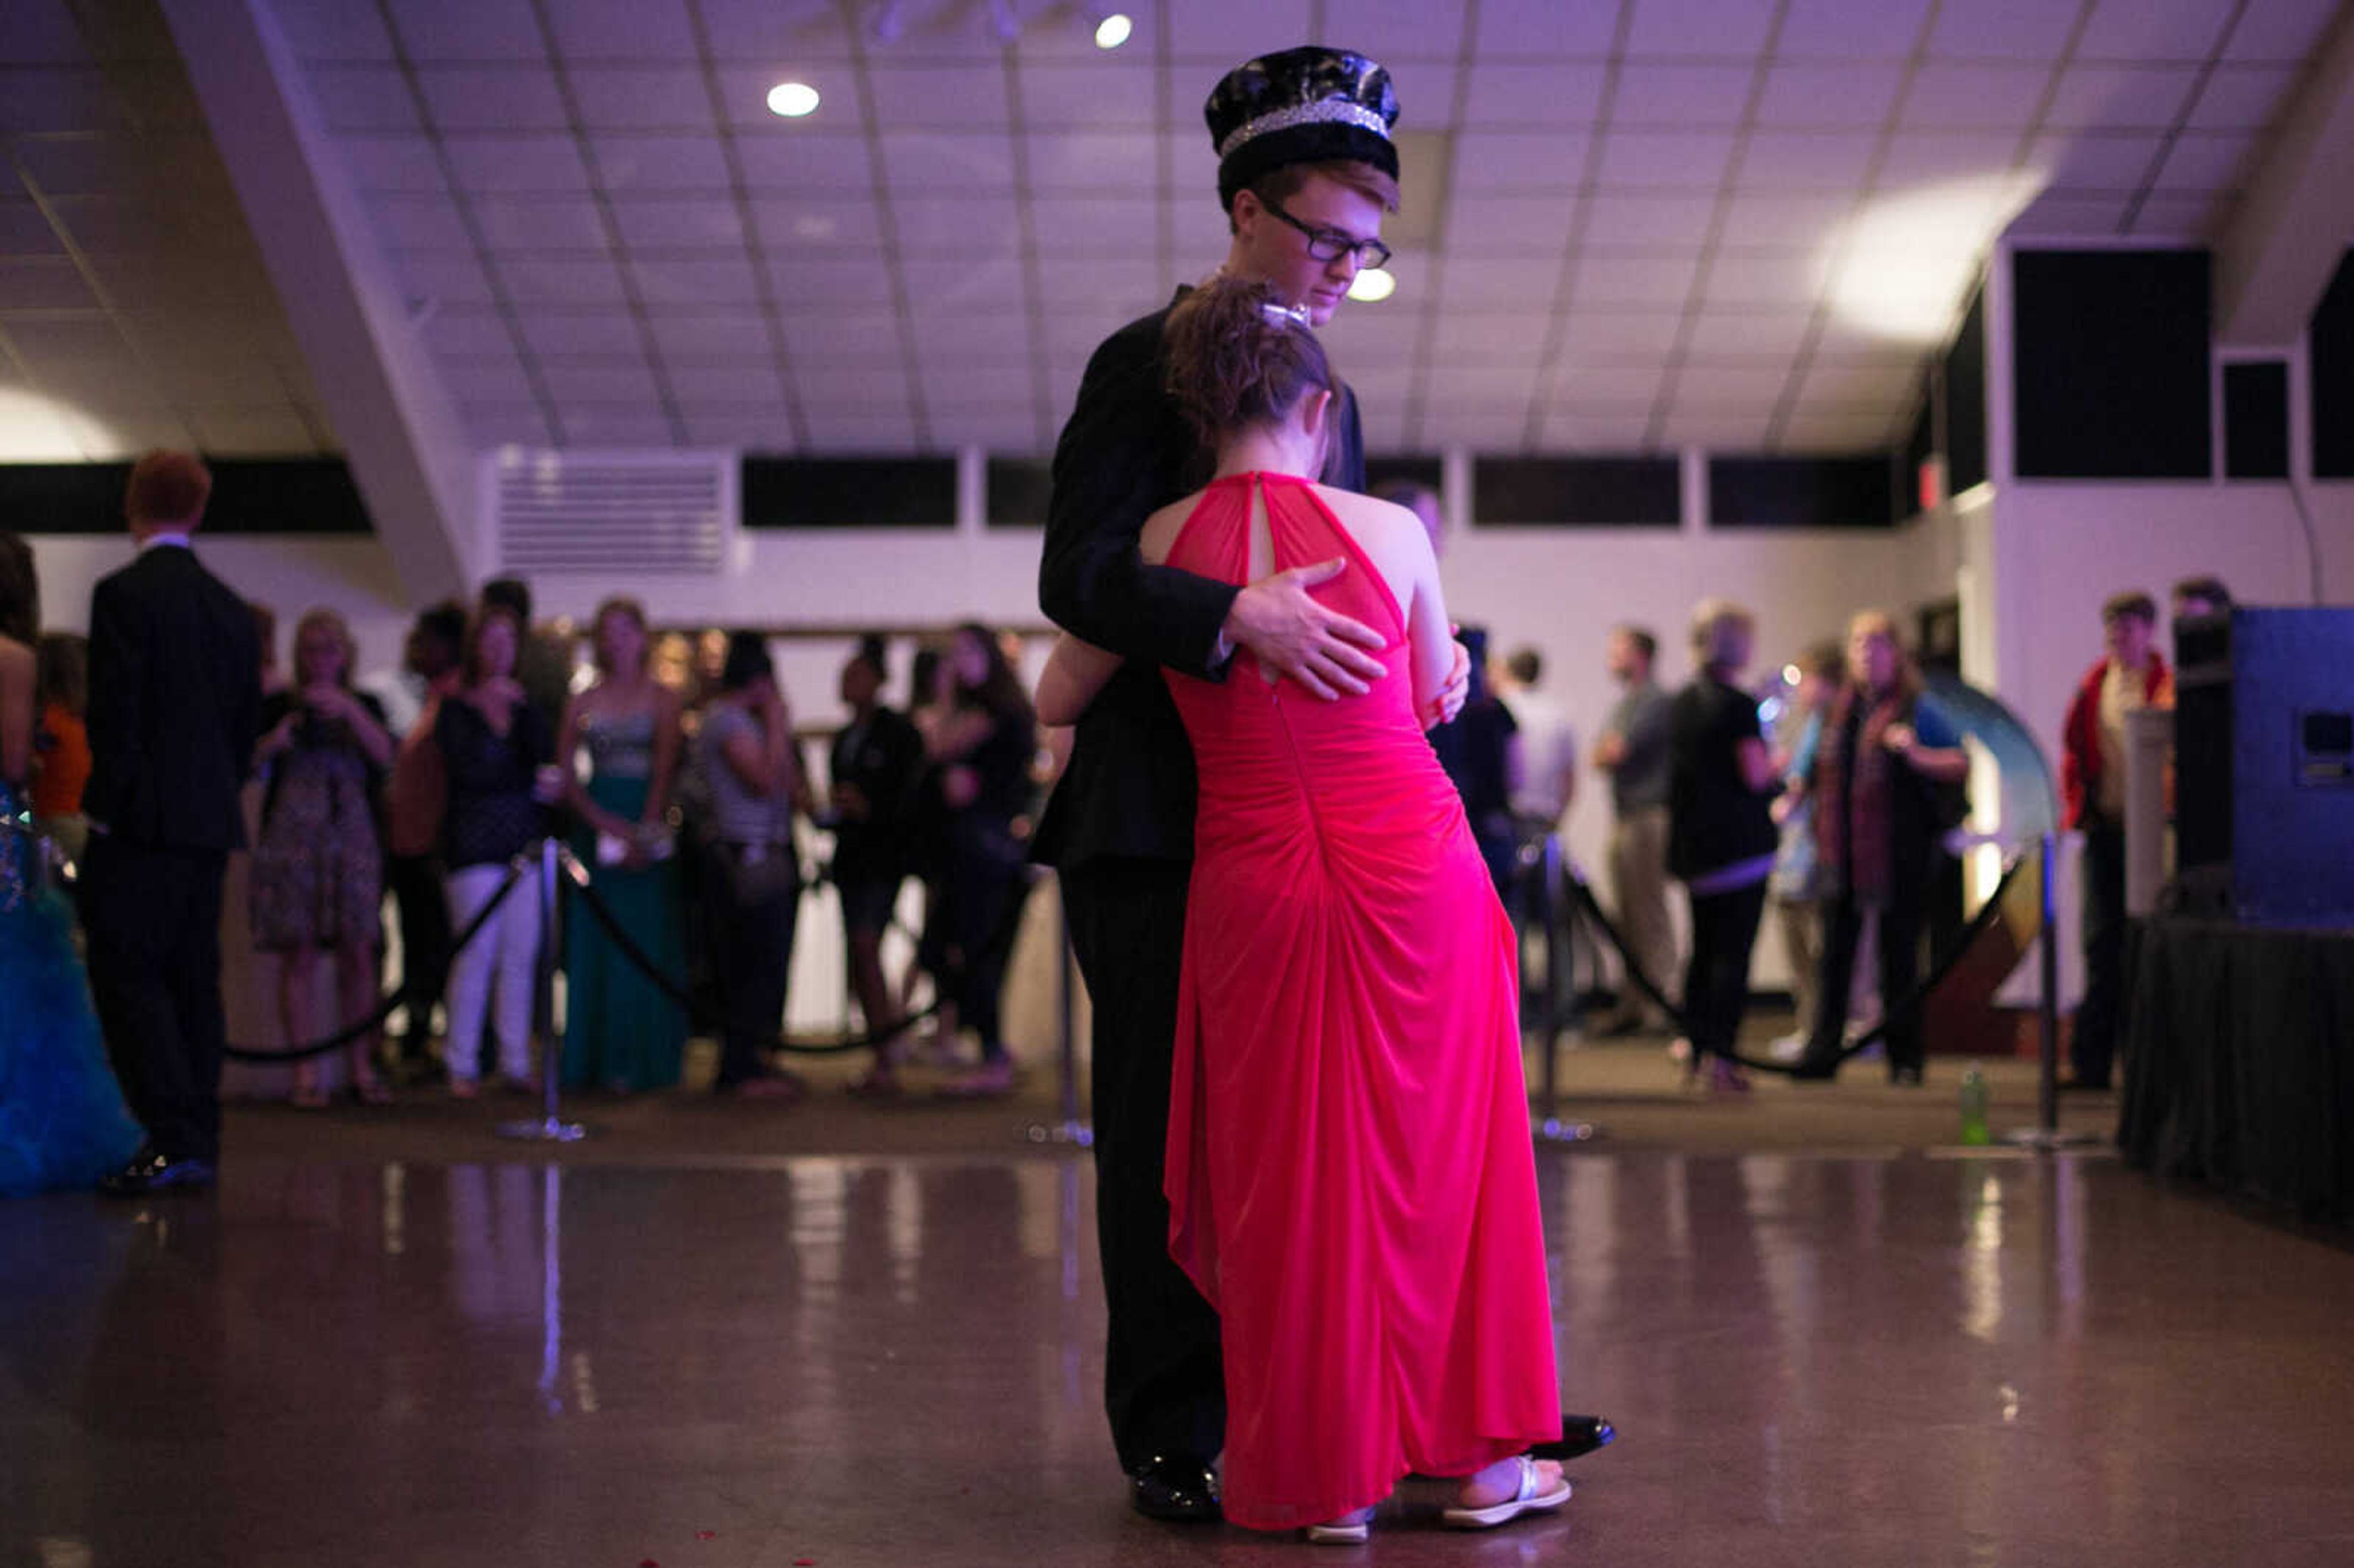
(1264, 449)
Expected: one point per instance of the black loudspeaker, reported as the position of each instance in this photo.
(2263, 747)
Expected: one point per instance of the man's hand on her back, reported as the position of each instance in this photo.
(1293, 636)
(1444, 708)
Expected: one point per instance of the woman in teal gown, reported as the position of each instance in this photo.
(62, 1121)
(622, 1031)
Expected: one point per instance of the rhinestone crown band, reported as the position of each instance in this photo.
(1323, 111)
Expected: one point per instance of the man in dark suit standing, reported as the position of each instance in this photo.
(175, 707)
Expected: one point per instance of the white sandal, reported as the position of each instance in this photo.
(1337, 1532)
(1528, 1499)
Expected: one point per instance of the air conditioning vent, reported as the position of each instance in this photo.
(623, 515)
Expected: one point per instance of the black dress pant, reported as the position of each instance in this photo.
(752, 956)
(2093, 1045)
(1164, 1382)
(416, 883)
(1898, 936)
(1716, 979)
(152, 917)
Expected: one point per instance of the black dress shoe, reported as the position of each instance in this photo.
(1814, 1070)
(1181, 1490)
(1579, 1434)
(152, 1171)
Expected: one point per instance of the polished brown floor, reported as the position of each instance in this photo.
(740, 1362)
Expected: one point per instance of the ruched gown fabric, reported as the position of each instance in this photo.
(1350, 1175)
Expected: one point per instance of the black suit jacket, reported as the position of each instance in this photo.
(174, 704)
(1126, 453)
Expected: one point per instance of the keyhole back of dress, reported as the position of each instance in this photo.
(1261, 555)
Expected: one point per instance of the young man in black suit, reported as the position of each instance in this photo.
(175, 707)
(1306, 172)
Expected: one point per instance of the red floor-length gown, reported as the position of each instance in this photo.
(1349, 1174)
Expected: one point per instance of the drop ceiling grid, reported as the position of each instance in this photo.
(1427, 348)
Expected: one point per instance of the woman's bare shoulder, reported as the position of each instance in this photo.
(1375, 523)
(1161, 530)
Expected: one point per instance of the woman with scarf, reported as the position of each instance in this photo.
(1884, 755)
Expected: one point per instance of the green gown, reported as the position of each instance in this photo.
(620, 1030)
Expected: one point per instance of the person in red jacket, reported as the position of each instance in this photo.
(2133, 675)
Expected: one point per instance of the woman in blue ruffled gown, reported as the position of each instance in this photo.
(62, 1120)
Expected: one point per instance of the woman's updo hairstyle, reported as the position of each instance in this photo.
(1238, 358)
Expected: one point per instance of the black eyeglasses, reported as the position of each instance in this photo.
(1330, 244)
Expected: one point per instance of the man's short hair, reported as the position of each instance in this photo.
(1278, 186)
(166, 487)
(1526, 665)
(510, 594)
(2208, 590)
(2134, 602)
(1644, 643)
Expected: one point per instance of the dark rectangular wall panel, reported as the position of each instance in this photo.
(251, 495)
(1804, 492)
(2109, 353)
(1963, 370)
(2332, 371)
(1403, 470)
(849, 493)
(1018, 491)
(1578, 493)
(2256, 420)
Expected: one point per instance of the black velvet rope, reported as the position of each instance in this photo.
(391, 1000)
(1912, 1002)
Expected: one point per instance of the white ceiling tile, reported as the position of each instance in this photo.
(571, 381)
(527, 162)
(1836, 433)
(47, 99)
(1603, 382)
(1517, 94)
(486, 381)
(337, 30)
(1881, 383)
(1501, 283)
(560, 281)
(1519, 160)
(365, 98)
(2283, 30)
(107, 435)
(47, 343)
(814, 224)
(722, 337)
(835, 427)
(43, 284)
(2095, 163)
(1841, 95)
(1105, 291)
(614, 425)
(2140, 30)
(718, 281)
(1664, 158)
(711, 386)
(1003, 430)
(1784, 219)
(92, 166)
(2121, 97)
(787, 29)
(969, 161)
(1734, 334)
(1718, 429)
(938, 283)
(2242, 98)
(1720, 27)
(2206, 162)
(1487, 425)
(1382, 29)
(446, 277)
(41, 30)
(1463, 337)
(803, 283)
(1973, 97)
(391, 163)
(1508, 225)
(418, 223)
(959, 337)
(741, 429)
(1091, 160)
(266, 432)
(1683, 97)
(744, 97)
(605, 333)
(1938, 157)
(1509, 28)
(1234, 30)
(463, 330)
(1771, 279)
(2170, 215)
(642, 97)
(946, 95)
(661, 165)
(2002, 30)
(1114, 226)
(788, 160)
(539, 222)
(842, 335)
(622, 31)
(1111, 91)
(686, 224)
(1655, 282)
(489, 425)
(493, 98)
(1842, 29)
(2063, 215)
(1600, 332)
(1804, 159)
(26, 231)
(467, 29)
(1621, 220)
(1757, 385)
(1573, 431)
(975, 226)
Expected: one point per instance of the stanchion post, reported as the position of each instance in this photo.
(551, 1127)
(1560, 970)
(2046, 1135)
(1072, 1129)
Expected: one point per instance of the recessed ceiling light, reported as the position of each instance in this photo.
(792, 100)
(1372, 284)
(1114, 30)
